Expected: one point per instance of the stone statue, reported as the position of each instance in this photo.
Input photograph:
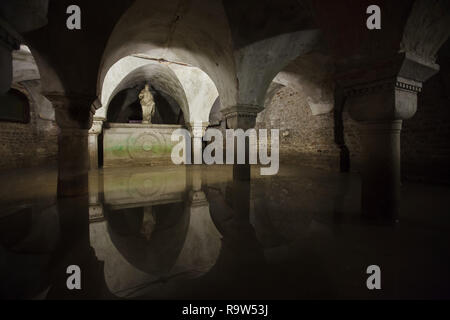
(147, 104)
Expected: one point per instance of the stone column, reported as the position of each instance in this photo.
(241, 117)
(73, 115)
(197, 132)
(9, 41)
(94, 132)
(379, 101)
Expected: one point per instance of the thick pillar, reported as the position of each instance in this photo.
(74, 118)
(241, 117)
(379, 101)
(94, 133)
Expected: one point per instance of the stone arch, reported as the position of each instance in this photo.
(190, 87)
(177, 32)
(427, 29)
(161, 77)
(311, 75)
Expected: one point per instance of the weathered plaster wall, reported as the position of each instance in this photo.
(34, 143)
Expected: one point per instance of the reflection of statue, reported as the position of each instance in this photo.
(148, 104)
(148, 223)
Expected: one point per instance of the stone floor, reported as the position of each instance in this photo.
(191, 233)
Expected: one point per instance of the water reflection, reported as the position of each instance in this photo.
(197, 233)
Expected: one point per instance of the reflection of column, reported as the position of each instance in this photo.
(196, 195)
(379, 102)
(241, 250)
(95, 194)
(94, 132)
(197, 131)
(241, 117)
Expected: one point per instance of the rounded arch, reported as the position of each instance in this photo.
(179, 32)
(161, 77)
(311, 75)
(190, 87)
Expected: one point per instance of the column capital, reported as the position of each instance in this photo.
(241, 116)
(198, 128)
(96, 128)
(384, 90)
(72, 111)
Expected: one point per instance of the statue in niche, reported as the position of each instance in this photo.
(147, 104)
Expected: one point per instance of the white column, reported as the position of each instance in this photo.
(94, 132)
(197, 131)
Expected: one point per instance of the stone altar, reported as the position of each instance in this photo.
(135, 144)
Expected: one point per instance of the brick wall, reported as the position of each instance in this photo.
(304, 139)
(30, 144)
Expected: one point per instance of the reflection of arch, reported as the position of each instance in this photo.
(157, 255)
(151, 245)
(30, 234)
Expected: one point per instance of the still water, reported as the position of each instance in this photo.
(193, 233)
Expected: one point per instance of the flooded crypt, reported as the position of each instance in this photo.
(93, 206)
